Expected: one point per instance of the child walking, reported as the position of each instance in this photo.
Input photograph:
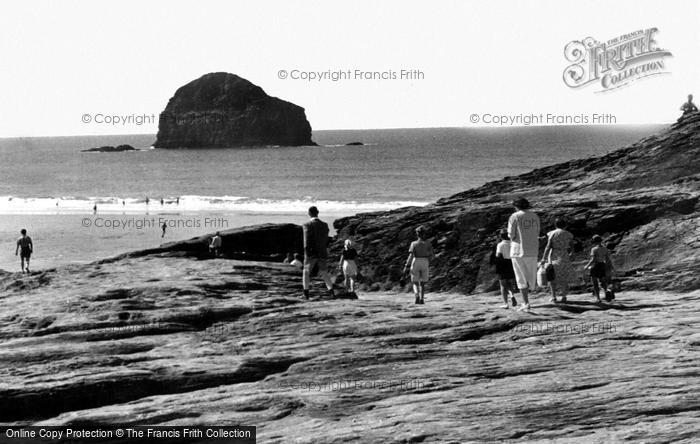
(599, 263)
(348, 265)
(504, 269)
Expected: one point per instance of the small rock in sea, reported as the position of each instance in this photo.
(109, 149)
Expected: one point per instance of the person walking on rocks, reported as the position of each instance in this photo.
(556, 253)
(215, 245)
(316, 251)
(524, 232)
(25, 248)
(348, 266)
(419, 254)
(504, 269)
(600, 259)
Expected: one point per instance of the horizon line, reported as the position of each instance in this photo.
(479, 127)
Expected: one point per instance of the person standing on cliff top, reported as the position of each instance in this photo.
(316, 251)
(524, 233)
(26, 248)
(689, 107)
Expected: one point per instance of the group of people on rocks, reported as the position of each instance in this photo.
(316, 255)
(316, 258)
(515, 259)
(517, 266)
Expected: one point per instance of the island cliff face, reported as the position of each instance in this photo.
(221, 110)
(643, 200)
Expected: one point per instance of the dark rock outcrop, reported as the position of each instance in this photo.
(266, 242)
(109, 149)
(643, 199)
(221, 110)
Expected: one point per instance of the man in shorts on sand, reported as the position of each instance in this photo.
(524, 233)
(316, 251)
(25, 248)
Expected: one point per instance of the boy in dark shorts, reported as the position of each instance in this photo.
(599, 263)
(504, 269)
(25, 248)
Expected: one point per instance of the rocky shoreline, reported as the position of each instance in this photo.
(643, 199)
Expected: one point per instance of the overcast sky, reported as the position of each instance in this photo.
(60, 60)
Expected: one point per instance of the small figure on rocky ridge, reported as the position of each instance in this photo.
(689, 107)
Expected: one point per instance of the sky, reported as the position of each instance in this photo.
(63, 60)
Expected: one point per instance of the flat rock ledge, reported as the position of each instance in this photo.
(166, 340)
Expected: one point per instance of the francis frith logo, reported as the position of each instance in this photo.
(615, 63)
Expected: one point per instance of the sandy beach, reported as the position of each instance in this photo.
(62, 239)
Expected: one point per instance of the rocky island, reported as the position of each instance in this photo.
(222, 110)
(170, 336)
(109, 149)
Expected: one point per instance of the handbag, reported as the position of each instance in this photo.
(542, 276)
(549, 269)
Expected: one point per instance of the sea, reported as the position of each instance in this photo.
(83, 206)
